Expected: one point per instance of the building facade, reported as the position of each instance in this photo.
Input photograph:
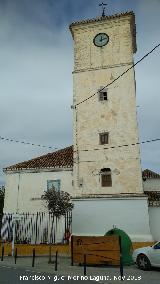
(103, 50)
(106, 158)
(26, 182)
(102, 170)
(151, 187)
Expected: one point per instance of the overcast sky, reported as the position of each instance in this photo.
(36, 63)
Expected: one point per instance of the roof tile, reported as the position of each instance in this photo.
(149, 174)
(60, 159)
(102, 18)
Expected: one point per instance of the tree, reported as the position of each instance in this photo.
(58, 202)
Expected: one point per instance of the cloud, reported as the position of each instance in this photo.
(36, 83)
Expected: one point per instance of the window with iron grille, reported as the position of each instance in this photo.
(103, 138)
(106, 177)
(56, 184)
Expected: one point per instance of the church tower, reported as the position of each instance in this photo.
(105, 123)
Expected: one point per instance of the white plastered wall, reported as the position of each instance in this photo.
(154, 218)
(24, 189)
(152, 184)
(97, 216)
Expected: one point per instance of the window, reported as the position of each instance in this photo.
(106, 178)
(157, 246)
(103, 96)
(103, 138)
(54, 184)
(102, 92)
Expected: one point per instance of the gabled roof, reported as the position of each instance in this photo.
(149, 174)
(60, 159)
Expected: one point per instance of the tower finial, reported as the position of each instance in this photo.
(103, 8)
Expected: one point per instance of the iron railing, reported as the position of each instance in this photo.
(35, 228)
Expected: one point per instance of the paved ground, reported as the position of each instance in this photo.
(15, 273)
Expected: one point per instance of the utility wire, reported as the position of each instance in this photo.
(50, 147)
(109, 84)
(119, 146)
(83, 150)
(26, 143)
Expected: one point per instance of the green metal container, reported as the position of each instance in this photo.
(126, 245)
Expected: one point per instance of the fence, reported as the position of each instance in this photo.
(38, 228)
(91, 250)
(98, 250)
(2, 188)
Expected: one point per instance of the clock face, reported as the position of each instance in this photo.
(101, 39)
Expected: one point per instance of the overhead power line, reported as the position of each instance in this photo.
(26, 143)
(109, 84)
(83, 150)
(120, 146)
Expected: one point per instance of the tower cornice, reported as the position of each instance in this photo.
(101, 20)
